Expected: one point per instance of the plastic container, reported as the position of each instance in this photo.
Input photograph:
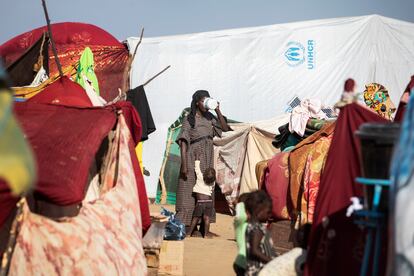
(210, 103)
(377, 145)
(155, 235)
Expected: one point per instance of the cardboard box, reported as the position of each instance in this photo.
(171, 258)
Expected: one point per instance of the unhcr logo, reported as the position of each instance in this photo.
(296, 54)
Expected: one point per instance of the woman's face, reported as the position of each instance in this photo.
(200, 105)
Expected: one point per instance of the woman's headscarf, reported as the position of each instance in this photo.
(197, 96)
(349, 85)
(377, 98)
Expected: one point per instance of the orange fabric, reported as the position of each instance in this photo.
(297, 164)
(260, 172)
(315, 163)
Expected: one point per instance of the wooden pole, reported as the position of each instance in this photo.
(59, 66)
(136, 47)
(162, 71)
(128, 66)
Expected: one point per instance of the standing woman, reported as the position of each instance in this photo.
(196, 139)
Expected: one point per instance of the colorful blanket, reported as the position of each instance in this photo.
(309, 154)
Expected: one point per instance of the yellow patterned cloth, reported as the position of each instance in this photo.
(16, 160)
(377, 98)
(138, 151)
(27, 92)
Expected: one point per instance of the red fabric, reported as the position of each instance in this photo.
(349, 85)
(65, 140)
(142, 192)
(132, 119)
(7, 201)
(70, 137)
(63, 92)
(403, 106)
(70, 38)
(336, 244)
(399, 116)
(276, 184)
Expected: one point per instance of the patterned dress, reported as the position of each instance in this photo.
(199, 140)
(266, 247)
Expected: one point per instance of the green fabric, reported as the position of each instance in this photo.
(240, 226)
(315, 124)
(172, 159)
(289, 149)
(85, 67)
(291, 141)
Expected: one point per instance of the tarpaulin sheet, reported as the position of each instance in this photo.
(237, 152)
(254, 72)
(71, 39)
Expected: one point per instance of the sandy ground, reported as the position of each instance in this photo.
(209, 256)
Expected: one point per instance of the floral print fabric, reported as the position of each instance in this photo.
(104, 239)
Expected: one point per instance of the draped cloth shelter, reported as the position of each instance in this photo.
(70, 38)
(104, 239)
(335, 241)
(71, 136)
(237, 153)
(306, 161)
(276, 184)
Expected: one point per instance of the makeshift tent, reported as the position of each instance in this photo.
(23, 71)
(253, 74)
(335, 240)
(111, 56)
(105, 238)
(237, 153)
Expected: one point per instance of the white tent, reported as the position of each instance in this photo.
(254, 72)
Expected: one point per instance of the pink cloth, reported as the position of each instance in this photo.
(104, 239)
(276, 184)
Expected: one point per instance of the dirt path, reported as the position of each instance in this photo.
(210, 256)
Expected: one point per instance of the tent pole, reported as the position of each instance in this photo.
(162, 71)
(129, 63)
(136, 47)
(49, 29)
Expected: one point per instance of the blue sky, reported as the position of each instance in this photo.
(124, 18)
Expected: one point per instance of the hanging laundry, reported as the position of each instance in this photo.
(86, 68)
(377, 98)
(308, 108)
(138, 98)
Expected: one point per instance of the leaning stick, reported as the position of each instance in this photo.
(151, 79)
(128, 67)
(136, 47)
(59, 66)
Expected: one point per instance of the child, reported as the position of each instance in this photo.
(291, 263)
(259, 244)
(203, 190)
(240, 225)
